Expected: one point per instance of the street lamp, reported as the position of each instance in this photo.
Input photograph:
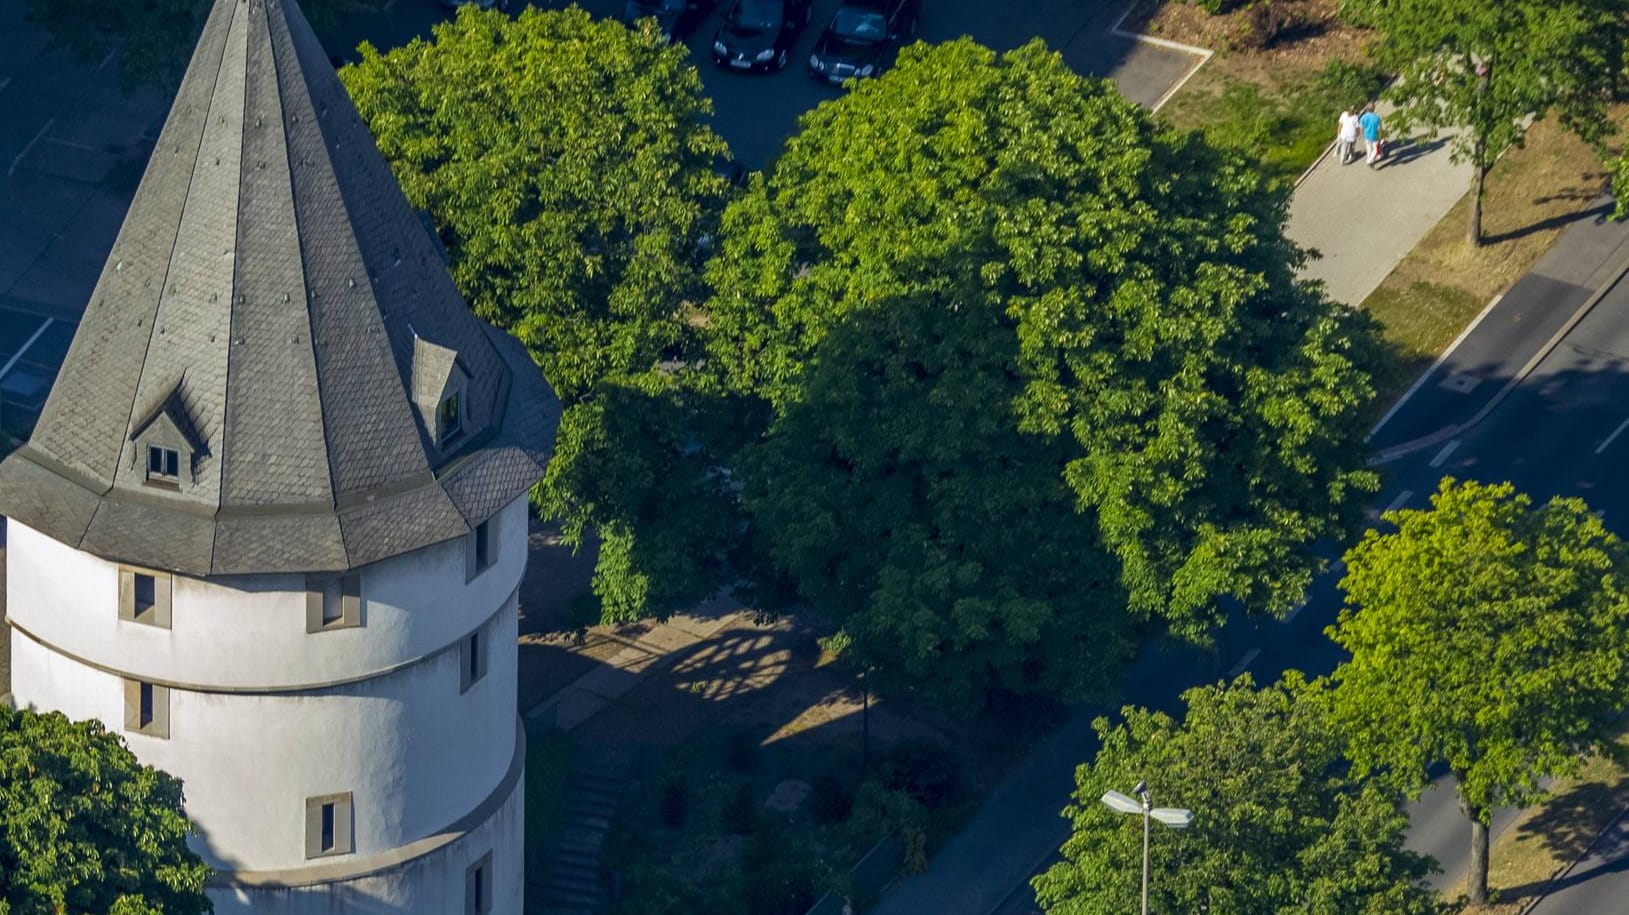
(1174, 817)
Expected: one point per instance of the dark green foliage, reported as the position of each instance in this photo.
(568, 166)
(155, 37)
(84, 827)
(1279, 828)
(780, 873)
(740, 812)
(830, 799)
(675, 799)
(924, 770)
(1033, 361)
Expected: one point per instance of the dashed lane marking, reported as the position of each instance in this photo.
(1443, 454)
(1615, 433)
(1244, 663)
(1401, 500)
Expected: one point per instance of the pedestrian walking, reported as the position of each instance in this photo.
(1346, 131)
(1369, 124)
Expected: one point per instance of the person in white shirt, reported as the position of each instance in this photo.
(1346, 135)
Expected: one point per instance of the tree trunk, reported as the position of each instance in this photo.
(1473, 232)
(1476, 878)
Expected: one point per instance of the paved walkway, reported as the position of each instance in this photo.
(1365, 221)
(609, 681)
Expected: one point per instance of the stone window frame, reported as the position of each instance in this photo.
(480, 549)
(474, 651)
(333, 601)
(478, 886)
(340, 830)
(169, 461)
(157, 612)
(143, 699)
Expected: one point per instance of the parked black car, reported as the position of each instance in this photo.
(758, 35)
(862, 38)
(676, 17)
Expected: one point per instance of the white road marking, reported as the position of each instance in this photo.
(1615, 433)
(1443, 454)
(1432, 370)
(18, 161)
(4, 83)
(19, 354)
(1400, 501)
(1244, 663)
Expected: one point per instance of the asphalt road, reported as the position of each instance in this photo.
(1563, 431)
(1598, 884)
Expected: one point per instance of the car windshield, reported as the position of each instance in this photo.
(757, 15)
(865, 25)
(660, 6)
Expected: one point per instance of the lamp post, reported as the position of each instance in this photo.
(1174, 817)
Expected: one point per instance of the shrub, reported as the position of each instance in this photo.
(1343, 82)
(922, 769)
(741, 809)
(830, 799)
(675, 800)
(781, 873)
(1266, 21)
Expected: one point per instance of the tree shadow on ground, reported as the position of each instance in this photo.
(1554, 222)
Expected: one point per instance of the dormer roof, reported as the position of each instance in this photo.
(270, 259)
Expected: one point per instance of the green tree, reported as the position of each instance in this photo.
(1488, 67)
(1620, 186)
(84, 827)
(569, 167)
(1486, 635)
(1124, 304)
(903, 500)
(155, 37)
(1279, 828)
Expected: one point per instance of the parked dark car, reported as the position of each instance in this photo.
(862, 39)
(675, 17)
(758, 35)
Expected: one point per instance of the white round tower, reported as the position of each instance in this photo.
(272, 521)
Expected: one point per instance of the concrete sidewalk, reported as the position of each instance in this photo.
(1365, 221)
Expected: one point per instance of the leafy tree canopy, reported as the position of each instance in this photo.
(1128, 290)
(902, 499)
(1279, 826)
(84, 827)
(569, 168)
(1487, 635)
(1491, 66)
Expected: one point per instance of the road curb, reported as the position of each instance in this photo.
(1204, 54)
(1397, 452)
(1562, 874)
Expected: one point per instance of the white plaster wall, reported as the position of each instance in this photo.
(431, 885)
(415, 752)
(249, 631)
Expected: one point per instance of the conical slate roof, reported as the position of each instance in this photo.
(275, 311)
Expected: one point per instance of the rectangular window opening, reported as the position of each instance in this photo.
(448, 421)
(144, 716)
(163, 464)
(478, 886)
(327, 841)
(146, 594)
(483, 545)
(333, 601)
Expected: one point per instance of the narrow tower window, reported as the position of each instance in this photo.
(144, 597)
(333, 601)
(478, 887)
(146, 708)
(328, 825)
(472, 660)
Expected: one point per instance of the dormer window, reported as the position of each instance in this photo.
(163, 464)
(448, 421)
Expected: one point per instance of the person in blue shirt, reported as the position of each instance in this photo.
(1369, 123)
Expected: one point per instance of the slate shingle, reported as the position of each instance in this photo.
(271, 275)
